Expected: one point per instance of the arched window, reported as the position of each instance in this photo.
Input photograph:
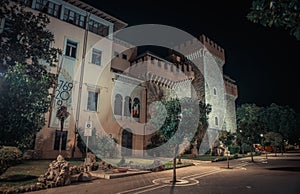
(127, 106)
(118, 105)
(136, 108)
(216, 121)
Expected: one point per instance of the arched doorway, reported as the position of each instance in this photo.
(126, 142)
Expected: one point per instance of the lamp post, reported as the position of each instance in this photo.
(174, 180)
(243, 151)
(262, 143)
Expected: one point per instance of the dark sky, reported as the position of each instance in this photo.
(262, 60)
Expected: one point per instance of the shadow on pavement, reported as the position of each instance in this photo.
(286, 169)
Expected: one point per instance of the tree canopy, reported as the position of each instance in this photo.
(277, 13)
(280, 119)
(26, 55)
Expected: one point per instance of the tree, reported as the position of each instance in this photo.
(25, 56)
(249, 124)
(274, 139)
(182, 119)
(62, 114)
(226, 138)
(280, 119)
(24, 101)
(277, 13)
(204, 110)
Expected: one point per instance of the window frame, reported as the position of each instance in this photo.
(96, 101)
(70, 51)
(93, 59)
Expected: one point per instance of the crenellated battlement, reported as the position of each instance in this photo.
(212, 47)
(173, 71)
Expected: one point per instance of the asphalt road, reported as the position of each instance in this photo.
(278, 175)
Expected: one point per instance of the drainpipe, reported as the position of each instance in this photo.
(81, 81)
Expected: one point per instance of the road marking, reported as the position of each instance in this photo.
(135, 189)
(192, 177)
(151, 189)
(199, 174)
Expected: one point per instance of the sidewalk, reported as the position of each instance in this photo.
(112, 175)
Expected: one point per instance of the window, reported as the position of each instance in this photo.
(98, 28)
(47, 7)
(136, 108)
(118, 105)
(39, 4)
(96, 56)
(92, 104)
(53, 9)
(127, 106)
(216, 121)
(215, 91)
(124, 56)
(63, 135)
(74, 18)
(71, 49)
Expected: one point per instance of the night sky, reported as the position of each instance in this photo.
(262, 60)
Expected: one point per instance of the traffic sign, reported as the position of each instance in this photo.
(88, 129)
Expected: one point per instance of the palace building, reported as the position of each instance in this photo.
(107, 83)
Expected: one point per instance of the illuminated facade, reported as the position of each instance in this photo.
(98, 81)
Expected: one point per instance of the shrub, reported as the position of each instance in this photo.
(9, 156)
(234, 149)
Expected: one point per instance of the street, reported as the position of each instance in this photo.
(277, 175)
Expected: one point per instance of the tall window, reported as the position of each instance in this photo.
(96, 56)
(136, 108)
(63, 135)
(92, 104)
(118, 105)
(71, 49)
(74, 18)
(127, 106)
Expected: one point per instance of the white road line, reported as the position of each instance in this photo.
(135, 189)
(151, 189)
(186, 177)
